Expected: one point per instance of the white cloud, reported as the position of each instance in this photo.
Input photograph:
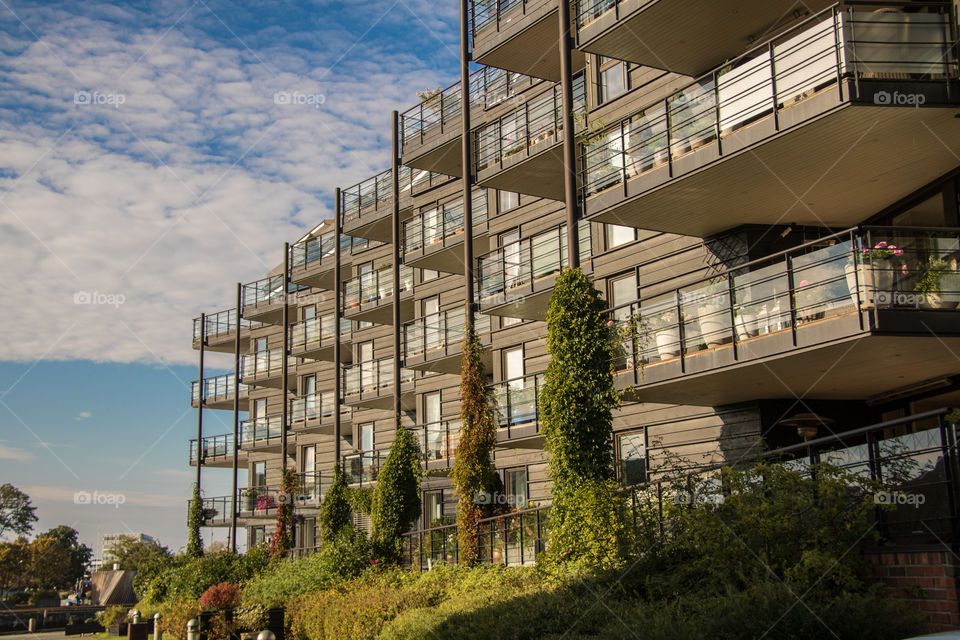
(12, 453)
(83, 415)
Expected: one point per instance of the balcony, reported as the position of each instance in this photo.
(370, 385)
(515, 405)
(215, 451)
(216, 511)
(265, 369)
(314, 338)
(850, 317)
(314, 414)
(367, 208)
(659, 33)
(523, 150)
(434, 239)
(438, 442)
(217, 392)
(824, 125)
(369, 296)
(517, 280)
(430, 133)
(360, 469)
(263, 300)
(220, 331)
(262, 434)
(435, 342)
(312, 262)
(519, 35)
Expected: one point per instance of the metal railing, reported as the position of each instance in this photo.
(212, 447)
(520, 264)
(442, 222)
(264, 363)
(317, 406)
(322, 247)
(375, 286)
(439, 331)
(220, 323)
(361, 468)
(375, 376)
(215, 387)
(818, 55)
(316, 332)
(438, 440)
(215, 509)
(864, 269)
(268, 291)
(260, 432)
(539, 119)
(491, 15)
(516, 402)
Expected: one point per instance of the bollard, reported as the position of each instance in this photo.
(193, 629)
(31, 624)
(266, 634)
(157, 633)
(135, 616)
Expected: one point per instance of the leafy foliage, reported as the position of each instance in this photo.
(224, 595)
(80, 554)
(175, 615)
(283, 533)
(189, 578)
(335, 510)
(112, 615)
(361, 499)
(396, 497)
(576, 405)
(473, 470)
(43, 563)
(17, 513)
(194, 522)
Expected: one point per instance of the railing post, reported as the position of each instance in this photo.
(203, 340)
(716, 110)
(791, 298)
(838, 44)
(773, 87)
(856, 276)
(733, 317)
(681, 331)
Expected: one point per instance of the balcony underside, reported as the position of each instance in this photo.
(383, 399)
(225, 343)
(529, 301)
(535, 171)
(526, 436)
(325, 426)
(375, 223)
(380, 312)
(528, 44)
(272, 445)
(221, 462)
(835, 170)
(324, 351)
(446, 255)
(438, 468)
(269, 313)
(447, 358)
(833, 360)
(440, 153)
(272, 379)
(219, 521)
(320, 274)
(223, 402)
(688, 37)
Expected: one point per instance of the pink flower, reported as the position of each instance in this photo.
(881, 244)
(898, 252)
(904, 270)
(609, 323)
(804, 283)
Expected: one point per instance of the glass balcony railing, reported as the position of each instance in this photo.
(374, 377)
(316, 332)
(260, 432)
(826, 49)
(216, 387)
(268, 291)
(317, 406)
(515, 401)
(539, 120)
(264, 363)
(521, 264)
(376, 286)
(494, 15)
(216, 509)
(864, 269)
(362, 467)
(438, 440)
(442, 222)
(439, 331)
(212, 447)
(323, 247)
(220, 324)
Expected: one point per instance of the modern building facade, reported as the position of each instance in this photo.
(767, 194)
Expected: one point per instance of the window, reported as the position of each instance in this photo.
(308, 461)
(365, 431)
(516, 486)
(632, 457)
(432, 507)
(513, 364)
(258, 477)
(509, 200)
(435, 436)
(428, 274)
(510, 241)
(310, 312)
(259, 409)
(612, 78)
(258, 536)
(623, 291)
(617, 235)
(260, 345)
(308, 533)
(506, 321)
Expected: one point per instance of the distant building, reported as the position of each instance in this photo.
(111, 540)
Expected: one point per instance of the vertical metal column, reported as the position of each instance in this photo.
(569, 141)
(203, 341)
(236, 419)
(466, 160)
(284, 390)
(395, 238)
(337, 295)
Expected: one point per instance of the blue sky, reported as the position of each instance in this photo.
(146, 165)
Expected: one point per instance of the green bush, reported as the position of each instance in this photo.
(335, 509)
(191, 577)
(112, 615)
(396, 497)
(360, 499)
(175, 615)
(194, 522)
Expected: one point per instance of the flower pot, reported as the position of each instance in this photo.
(714, 325)
(875, 280)
(668, 343)
(747, 326)
(950, 290)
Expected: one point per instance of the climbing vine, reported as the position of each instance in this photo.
(194, 522)
(335, 510)
(396, 497)
(283, 533)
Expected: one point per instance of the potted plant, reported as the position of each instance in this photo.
(939, 284)
(712, 313)
(808, 302)
(872, 269)
(666, 331)
(249, 496)
(746, 317)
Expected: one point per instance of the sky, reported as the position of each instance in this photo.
(152, 155)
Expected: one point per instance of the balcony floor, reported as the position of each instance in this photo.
(447, 359)
(380, 312)
(226, 343)
(440, 151)
(525, 436)
(324, 351)
(833, 170)
(376, 223)
(446, 255)
(220, 462)
(224, 402)
(324, 426)
(535, 171)
(272, 379)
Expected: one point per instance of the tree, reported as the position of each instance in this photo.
(14, 559)
(335, 510)
(49, 564)
(473, 470)
(194, 522)
(80, 554)
(396, 498)
(17, 514)
(283, 533)
(576, 404)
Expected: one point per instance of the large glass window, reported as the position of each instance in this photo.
(259, 474)
(432, 507)
(516, 485)
(618, 235)
(509, 200)
(612, 78)
(632, 457)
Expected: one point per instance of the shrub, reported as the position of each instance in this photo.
(193, 576)
(221, 596)
(396, 497)
(335, 510)
(194, 522)
(175, 615)
(283, 532)
(112, 615)
(360, 499)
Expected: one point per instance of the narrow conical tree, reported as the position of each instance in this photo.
(396, 497)
(194, 522)
(335, 510)
(283, 532)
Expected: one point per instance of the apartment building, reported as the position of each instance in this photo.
(766, 192)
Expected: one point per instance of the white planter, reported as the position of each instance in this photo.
(875, 280)
(714, 325)
(950, 289)
(668, 343)
(747, 326)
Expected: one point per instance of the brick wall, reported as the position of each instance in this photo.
(927, 580)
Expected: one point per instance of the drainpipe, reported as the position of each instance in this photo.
(569, 141)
